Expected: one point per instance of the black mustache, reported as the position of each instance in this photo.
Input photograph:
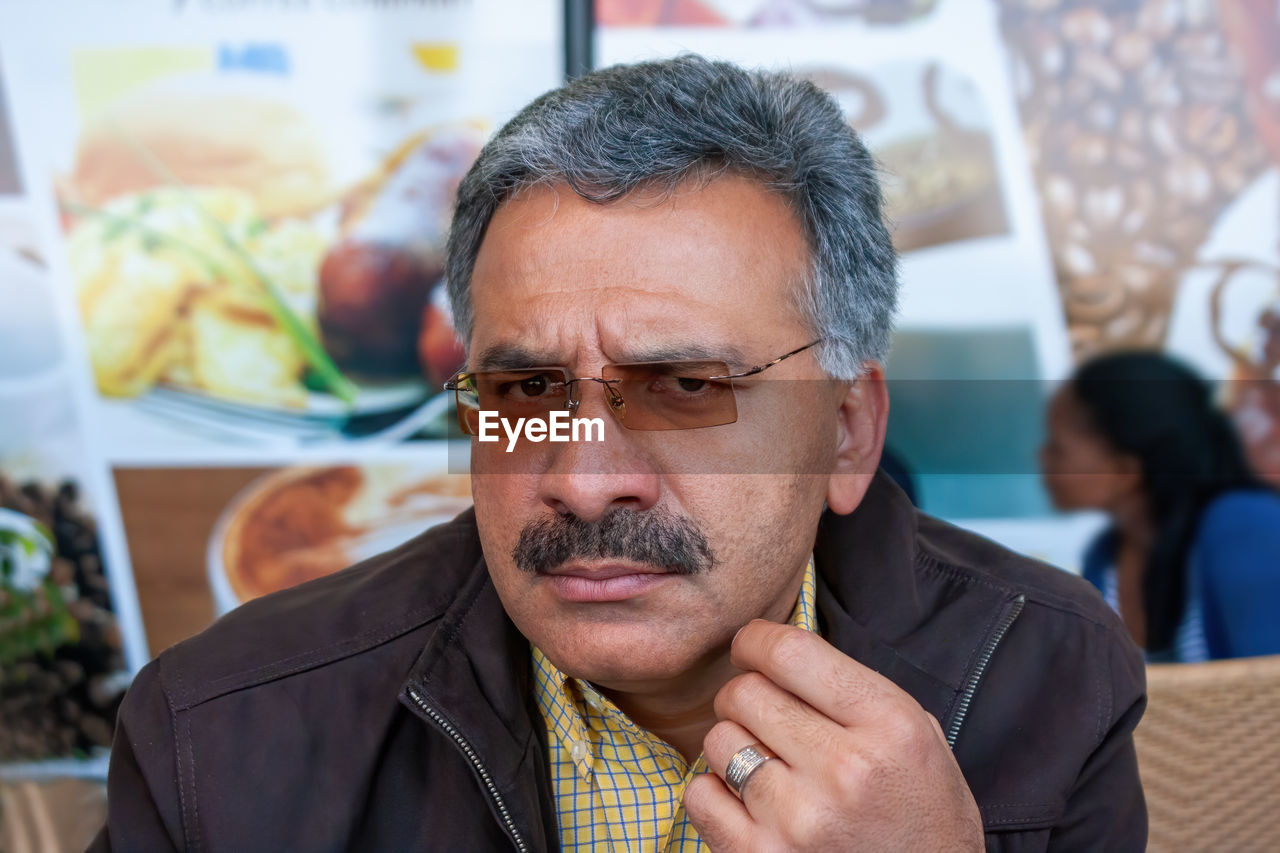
(654, 537)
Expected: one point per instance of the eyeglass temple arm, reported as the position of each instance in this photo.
(452, 383)
(763, 367)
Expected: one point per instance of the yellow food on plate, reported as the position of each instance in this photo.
(128, 316)
(163, 297)
(237, 353)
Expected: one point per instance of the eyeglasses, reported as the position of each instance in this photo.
(654, 395)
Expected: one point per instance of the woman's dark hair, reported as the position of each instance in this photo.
(1160, 411)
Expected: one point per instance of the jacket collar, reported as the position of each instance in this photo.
(868, 560)
(901, 594)
(869, 591)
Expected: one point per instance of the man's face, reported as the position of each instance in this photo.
(705, 273)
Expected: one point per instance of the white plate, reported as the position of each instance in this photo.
(399, 527)
(370, 400)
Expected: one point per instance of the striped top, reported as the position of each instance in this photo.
(1189, 644)
(1232, 581)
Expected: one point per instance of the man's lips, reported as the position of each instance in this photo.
(605, 571)
(608, 582)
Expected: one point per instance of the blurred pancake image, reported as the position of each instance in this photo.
(260, 145)
(942, 189)
(298, 524)
(928, 127)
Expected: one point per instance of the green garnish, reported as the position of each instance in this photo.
(312, 351)
(317, 359)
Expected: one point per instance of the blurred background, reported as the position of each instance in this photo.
(222, 331)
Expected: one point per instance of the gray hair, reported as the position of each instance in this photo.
(658, 124)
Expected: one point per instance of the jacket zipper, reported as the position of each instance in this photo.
(953, 731)
(481, 770)
(971, 683)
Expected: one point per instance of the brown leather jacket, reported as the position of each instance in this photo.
(387, 707)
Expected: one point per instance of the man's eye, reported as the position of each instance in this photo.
(690, 385)
(534, 386)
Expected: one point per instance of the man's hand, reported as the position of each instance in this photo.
(860, 766)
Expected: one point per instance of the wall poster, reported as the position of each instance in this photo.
(224, 334)
(1067, 177)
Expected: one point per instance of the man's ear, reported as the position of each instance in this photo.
(860, 424)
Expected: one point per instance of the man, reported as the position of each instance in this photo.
(715, 628)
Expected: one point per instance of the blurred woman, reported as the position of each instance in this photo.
(1191, 560)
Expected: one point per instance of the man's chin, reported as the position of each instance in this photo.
(618, 656)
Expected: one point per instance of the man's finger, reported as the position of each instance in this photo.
(721, 819)
(758, 791)
(807, 666)
(792, 728)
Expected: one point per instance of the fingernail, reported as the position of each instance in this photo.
(740, 630)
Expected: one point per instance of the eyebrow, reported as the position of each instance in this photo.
(513, 357)
(510, 357)
(685, 352)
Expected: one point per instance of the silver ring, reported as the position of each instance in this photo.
(745, 762)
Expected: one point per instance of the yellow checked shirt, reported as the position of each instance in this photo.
(617, 786)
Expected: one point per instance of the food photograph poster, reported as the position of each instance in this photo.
(223, 335)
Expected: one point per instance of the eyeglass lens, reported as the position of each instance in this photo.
(651, 396)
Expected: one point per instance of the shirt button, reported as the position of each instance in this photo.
(594, 701)
(579, 750)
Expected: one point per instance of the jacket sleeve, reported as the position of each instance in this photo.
(1106, 809)
(143, 808)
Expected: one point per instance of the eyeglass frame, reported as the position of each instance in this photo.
(613, 395)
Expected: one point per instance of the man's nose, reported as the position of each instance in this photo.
(612, 396)
(589, 478)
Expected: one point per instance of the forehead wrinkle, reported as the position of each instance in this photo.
(514, 356)
(666, 342)
(548, 294)
(616, 333)
(691, 351)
